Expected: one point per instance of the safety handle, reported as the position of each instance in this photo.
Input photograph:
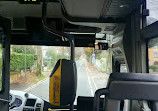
(57, 33)
(98, 93)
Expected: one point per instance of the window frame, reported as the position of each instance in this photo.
(146, 33)
(155, 54)
(5, 24)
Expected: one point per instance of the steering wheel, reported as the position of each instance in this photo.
(11, 99)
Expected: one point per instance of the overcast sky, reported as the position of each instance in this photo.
(152, 5)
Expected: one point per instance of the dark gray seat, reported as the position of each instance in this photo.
(132, 86)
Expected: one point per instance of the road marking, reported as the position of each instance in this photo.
(35, 85)
(92, 93)
(94, 83)
(92, 80)
(91, 90)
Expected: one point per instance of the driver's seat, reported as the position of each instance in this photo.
(63, 83)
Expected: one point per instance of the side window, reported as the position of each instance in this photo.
(1, 33)
(123, 68)
(153, 8)
(153, 55)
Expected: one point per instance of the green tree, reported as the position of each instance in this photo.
(98, 54)
(52, 53)
(21, 49)
(39, 61)
(17, 61)
(0, 59)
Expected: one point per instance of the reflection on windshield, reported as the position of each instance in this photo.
(31, 67)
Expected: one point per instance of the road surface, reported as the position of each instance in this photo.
(88, 82)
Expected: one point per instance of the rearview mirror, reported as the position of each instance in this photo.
(101, 46)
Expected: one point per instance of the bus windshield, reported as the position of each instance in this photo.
(31, 67)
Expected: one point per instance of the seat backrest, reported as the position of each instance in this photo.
(132, 86)
(63, 83)
(135, 86)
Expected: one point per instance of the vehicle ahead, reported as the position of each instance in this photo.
(31, 32)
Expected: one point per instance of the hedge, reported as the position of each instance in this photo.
(21, 49)
(17, 61)
(154, 67)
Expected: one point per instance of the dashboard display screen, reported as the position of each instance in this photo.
(29, 1)
(30, 102)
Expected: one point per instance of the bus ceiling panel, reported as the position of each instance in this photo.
(106, 28)
(121, 8)
(99, 8)
(83, 8)
(15, 9)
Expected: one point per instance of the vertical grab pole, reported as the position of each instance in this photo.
(71, 107)
(72, 45)
(59, 34)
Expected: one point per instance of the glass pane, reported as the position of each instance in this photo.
(153, 55)
(152, 5)
(31, 73)
(1, 33)
(93, 69)
(31, 66)
(123, 68)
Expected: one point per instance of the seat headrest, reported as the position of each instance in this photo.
(144, 77)
(133, 86)
(63, 83)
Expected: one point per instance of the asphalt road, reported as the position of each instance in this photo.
(86, 86)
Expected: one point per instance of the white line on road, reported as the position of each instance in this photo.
(94, 83)
(92, 93)
(35, 85)
(91, 89)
